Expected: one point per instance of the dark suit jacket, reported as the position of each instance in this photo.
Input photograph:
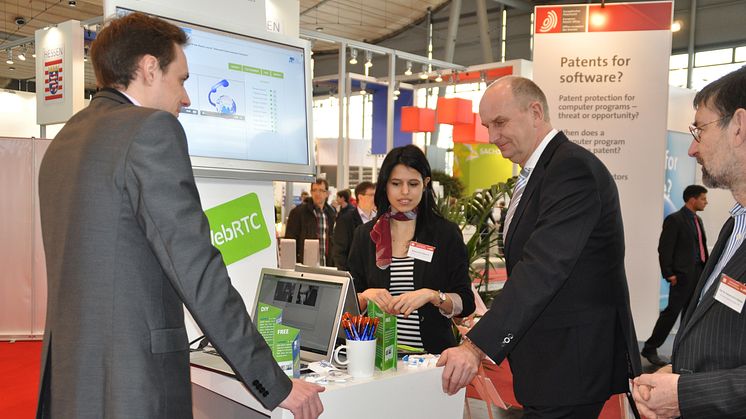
(677, 245)
(302, 225)
(710, 348)
(347, 222)
(448, 272)
(563, 318)
(127, 247)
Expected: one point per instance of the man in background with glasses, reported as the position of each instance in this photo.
(708, 375)
(313, 219)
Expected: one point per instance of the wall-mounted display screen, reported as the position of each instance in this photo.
(250, 104)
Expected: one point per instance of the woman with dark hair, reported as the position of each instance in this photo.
(410, 260)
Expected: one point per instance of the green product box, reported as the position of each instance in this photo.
(385, 337)
(286, 349)
(269, 316)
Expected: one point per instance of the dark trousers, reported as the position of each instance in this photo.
(586, 411)
(678, 300)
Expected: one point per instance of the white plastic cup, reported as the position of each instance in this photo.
(361, 357)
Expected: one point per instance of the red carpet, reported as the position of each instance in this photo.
(19, 378)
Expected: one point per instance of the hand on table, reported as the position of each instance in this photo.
(303, 400)
(461, 366)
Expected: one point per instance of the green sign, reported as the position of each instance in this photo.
(480, 166)
(238, 229)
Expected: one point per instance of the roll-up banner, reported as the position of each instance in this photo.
(604, 69)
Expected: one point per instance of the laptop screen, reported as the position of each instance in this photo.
(310, 302)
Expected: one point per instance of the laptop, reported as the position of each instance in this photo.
(311, 302)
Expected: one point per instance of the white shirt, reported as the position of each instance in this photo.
(531, 162)
(133, 100)
(364, 217)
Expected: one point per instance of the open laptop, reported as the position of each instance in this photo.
(312, 302)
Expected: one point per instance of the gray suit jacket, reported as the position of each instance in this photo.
(710, 348)
(126, 244)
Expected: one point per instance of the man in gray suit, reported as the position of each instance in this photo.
(127, 244)
(708, 375)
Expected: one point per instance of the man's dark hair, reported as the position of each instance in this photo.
(363, 187)
(320, 181)
(693, 191)
(344, 194)
(124, 41)
(725, 95)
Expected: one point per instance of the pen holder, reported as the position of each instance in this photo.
(361, 357)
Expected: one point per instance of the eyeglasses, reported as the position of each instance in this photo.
(697, 130)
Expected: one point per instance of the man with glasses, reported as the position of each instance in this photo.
(708, 375)
(350, 220)
(313, 219)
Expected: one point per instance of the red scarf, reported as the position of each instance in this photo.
(381, 235)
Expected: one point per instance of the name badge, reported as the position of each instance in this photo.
(731, 293)
(420, 251)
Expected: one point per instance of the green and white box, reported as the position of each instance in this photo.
(286, 349)
(269, 316)
(385, 337)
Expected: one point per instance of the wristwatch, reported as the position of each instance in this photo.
(441, 298)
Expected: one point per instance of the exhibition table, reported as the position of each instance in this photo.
(408, 392)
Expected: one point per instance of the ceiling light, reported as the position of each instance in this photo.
(675, 26)
(408, 71)
(368, 59)
(10, 57)
(439, 78)
(423, 73)
(353, 55)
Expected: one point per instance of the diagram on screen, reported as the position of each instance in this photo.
(220, 97)
(223, 103)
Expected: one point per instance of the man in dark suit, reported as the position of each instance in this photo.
(708, 375)
(128, 246)
(348, 221)
(313, 219)
(563, 319)
(682, 252)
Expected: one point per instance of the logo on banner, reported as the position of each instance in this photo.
(53, 59)
(238, 229)
(548, 19)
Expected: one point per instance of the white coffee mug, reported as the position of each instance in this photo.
(361, 357)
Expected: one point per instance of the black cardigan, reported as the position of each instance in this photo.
(448, 272)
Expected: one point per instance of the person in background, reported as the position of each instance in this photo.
(128, 248)
(563, 318)
(303, 196)
(410, 260)
(682, 252)
(313, 219)
(349, 221)
(343, 204)
(708, 375)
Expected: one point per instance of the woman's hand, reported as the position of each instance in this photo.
(380, 296)
(410, 301)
